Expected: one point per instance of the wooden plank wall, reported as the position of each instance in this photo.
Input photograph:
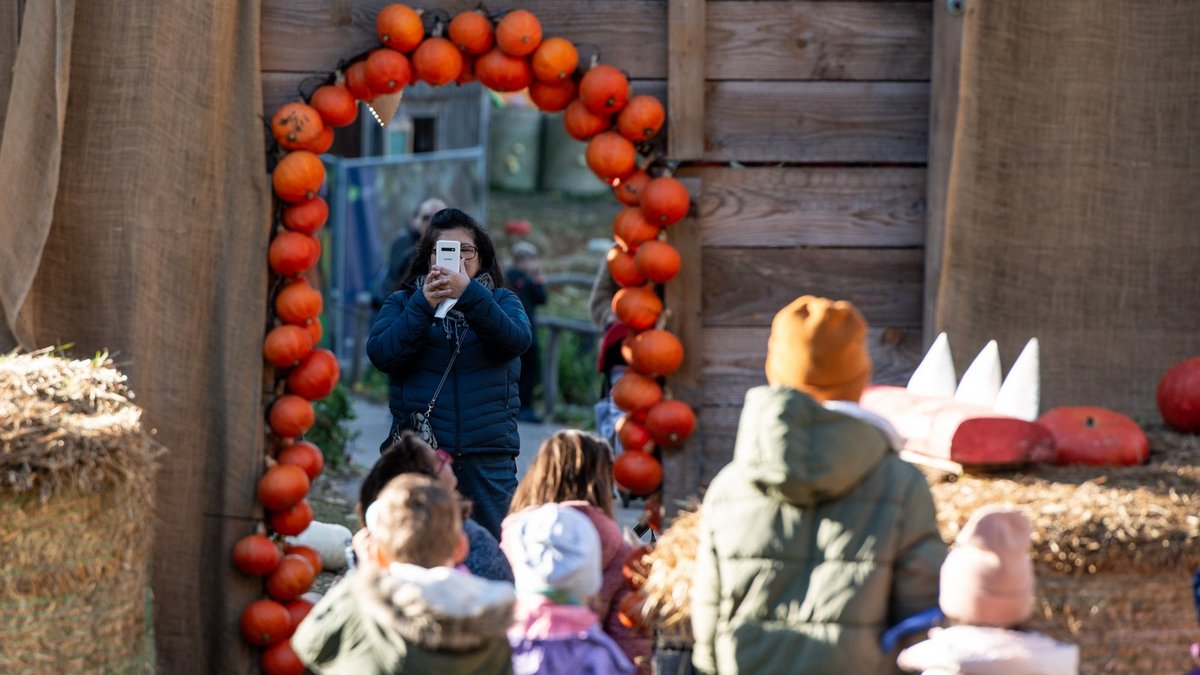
(812, 176)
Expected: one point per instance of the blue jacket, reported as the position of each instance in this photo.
(476, 411)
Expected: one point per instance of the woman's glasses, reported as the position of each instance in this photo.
(444, 460)
(468, 252)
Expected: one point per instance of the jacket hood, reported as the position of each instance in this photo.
(790, 445)
(437, 609)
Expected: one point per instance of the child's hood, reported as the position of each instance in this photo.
(981, 650)
(439, 608)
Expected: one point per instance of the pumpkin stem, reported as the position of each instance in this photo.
(1089, 422)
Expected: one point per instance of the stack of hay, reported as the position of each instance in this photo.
(1114, 550)
(76, 517)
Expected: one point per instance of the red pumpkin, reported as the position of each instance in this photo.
(285, 346)
(628, 190)
(670, 422)
(281, 659)
(635, 393)
(291, 416)
(304, 455)
(641, 118)
(356, 81)
(519, 33)
(323, 143)
(298, 176)
(657, 260)
(1095, 436)
(296, 125)
(387, 71)
(281, 486)
(629, 611)
(623, 269)
(306, 217)
(604, 89)
(631, 229)
(581, 123)
(652, 513)
(335, 104)
(292, 253)
(632, 434)
(298, 303)
(610, 156)
(656, 352)
(635, 569)
(665, 201)
(555, 60)
(638, 307)
(437, 61)
(265, 622)
(1178, 396)
(298, 608)
(472, 32)
(256, 555)
(308, 553)
(501, 72)
(292, 521)
(399, 27)
(552, 96)
(637, 472)
(293, 577)
(316, 375)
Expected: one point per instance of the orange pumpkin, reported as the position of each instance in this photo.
(652, 513)
(323, 143)
(471, 32)
(298, 303)
(604, 89)
(282, 486)
(291, 521)
(555, 59)
(656, 352)
(281, 659)
(256, 555)
(265, 622)
(657, 260)
(552, 96)
(399, 27)
(296, 125)
(306, 217)
(308, 553)
(1094, 436)
(437, 61)
(287, 345)
(387, 71)
(356, 81)
(315, 376)
(293, 577)
(581, 123)
(304, 455)
(299, 608)
(314, 329)
(623, 269)
(519, 33)
(628, 190)
(335, 104)
(632, 434)
(638, 307)
(637, 472)
(629, 611)
(501, 72)
(665, 201)
(298, 176)
(641, 118)
(670, 422)
(292, 253)
(468, 71)
(611, 156)
(291, 416)
(1178, 396)
(631, 229)
(635, 569)
(635, 393)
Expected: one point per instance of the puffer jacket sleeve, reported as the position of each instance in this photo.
(500, 317)
(706, 598)
(920, 556)
(400, 331)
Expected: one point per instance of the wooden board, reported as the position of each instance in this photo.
(812, 207)
(747, 286)
(685, 79)
(859, 122)
(746, 40)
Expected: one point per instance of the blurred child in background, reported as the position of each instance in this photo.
(525, 278)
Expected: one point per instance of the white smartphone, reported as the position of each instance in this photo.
(448, 254)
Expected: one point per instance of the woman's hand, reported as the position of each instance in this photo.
(437, 286)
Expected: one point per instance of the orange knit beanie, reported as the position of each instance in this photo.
(819, 346)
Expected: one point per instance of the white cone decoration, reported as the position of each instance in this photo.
(935, 375)
(1020, 395)
(981, 383)
(384, 107)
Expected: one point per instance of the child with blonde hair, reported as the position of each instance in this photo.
(406, 609)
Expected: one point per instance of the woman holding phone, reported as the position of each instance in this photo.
(469, 357)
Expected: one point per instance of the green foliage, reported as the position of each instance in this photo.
(578, 381)
(330, 432)
(373, 385)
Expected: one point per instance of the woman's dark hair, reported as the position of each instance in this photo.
(405, 455)
(453, 219)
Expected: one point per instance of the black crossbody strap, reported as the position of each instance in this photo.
(436, 392)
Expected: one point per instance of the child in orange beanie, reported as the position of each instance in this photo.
(987, 589)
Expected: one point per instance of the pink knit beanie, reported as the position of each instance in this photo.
(987, 579)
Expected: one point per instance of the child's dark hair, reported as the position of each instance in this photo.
(404, 455)
(453, 219)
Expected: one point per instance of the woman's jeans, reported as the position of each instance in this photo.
(489, 481)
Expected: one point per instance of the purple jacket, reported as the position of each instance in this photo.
(550, 638)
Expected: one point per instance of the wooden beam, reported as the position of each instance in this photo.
(685, 79)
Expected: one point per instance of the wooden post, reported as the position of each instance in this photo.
(685, 79)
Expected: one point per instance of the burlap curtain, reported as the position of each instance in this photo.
(134, 218)
(1073, 210)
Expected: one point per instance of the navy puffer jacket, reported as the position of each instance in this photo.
(476, 411)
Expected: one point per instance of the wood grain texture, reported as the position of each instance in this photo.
(859, 122)
(812, 207)
(747, 286)
(685, 79)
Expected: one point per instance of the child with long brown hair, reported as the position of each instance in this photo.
(574, 468)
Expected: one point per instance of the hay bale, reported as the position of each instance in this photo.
(1114, 549)
(76, 516)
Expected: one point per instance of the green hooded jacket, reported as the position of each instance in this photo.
(813, 541)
